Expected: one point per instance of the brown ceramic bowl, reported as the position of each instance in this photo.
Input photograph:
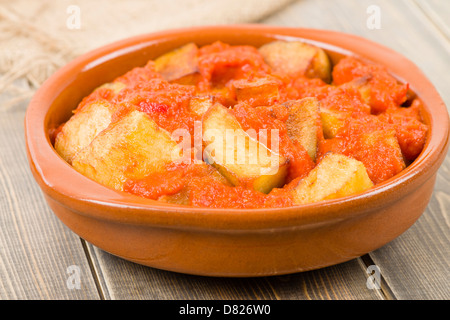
(223, 242)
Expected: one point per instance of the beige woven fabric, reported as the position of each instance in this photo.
(38, 37)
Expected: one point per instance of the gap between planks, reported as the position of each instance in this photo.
(385, 291)
(94, 273)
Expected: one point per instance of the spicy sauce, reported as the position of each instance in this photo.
(371, 99)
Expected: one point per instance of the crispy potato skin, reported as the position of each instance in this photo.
(131, 148)
(200, 104)
(295, 58)
(335, 176)
(257, 92)
(332, 121)
(303, 123)
(237, 156)
(78, 132)
(179, 65)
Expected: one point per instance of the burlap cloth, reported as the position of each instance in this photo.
(38, 37)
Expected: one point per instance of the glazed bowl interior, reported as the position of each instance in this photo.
(54, 102)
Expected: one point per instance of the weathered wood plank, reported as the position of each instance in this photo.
(416, 265)
(125, 280)
(427, 243)
(438, 12)
(36, 249)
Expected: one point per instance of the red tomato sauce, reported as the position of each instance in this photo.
(385, 91)
(364, 138)
(167, 104)
(374, 116)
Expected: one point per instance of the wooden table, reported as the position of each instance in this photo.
(38, 254)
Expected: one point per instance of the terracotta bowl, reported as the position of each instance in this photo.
(223, 242)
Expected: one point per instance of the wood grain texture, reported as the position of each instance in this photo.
(415, 265)
(438, 12)
(125, 280)
(36, 249)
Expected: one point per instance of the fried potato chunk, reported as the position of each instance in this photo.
(303, 123)
(82, 128)
(257, 92)
(242, 159)
(332, 121)
(335, 176)
(200, 104)
(381, 154)
(296, 58)
(179, 65)
(131, 148)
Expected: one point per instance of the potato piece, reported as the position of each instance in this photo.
(387, 137)
(179, 65)
(295, 58)
(257, 92)
(321, 66)
(332, 121)
(131, 148)
(381, 154)
(303, 123)
(240, 158)
(200, 104)
(82, 128)
(335, 176)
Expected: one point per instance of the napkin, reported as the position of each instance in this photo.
(39, 37)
